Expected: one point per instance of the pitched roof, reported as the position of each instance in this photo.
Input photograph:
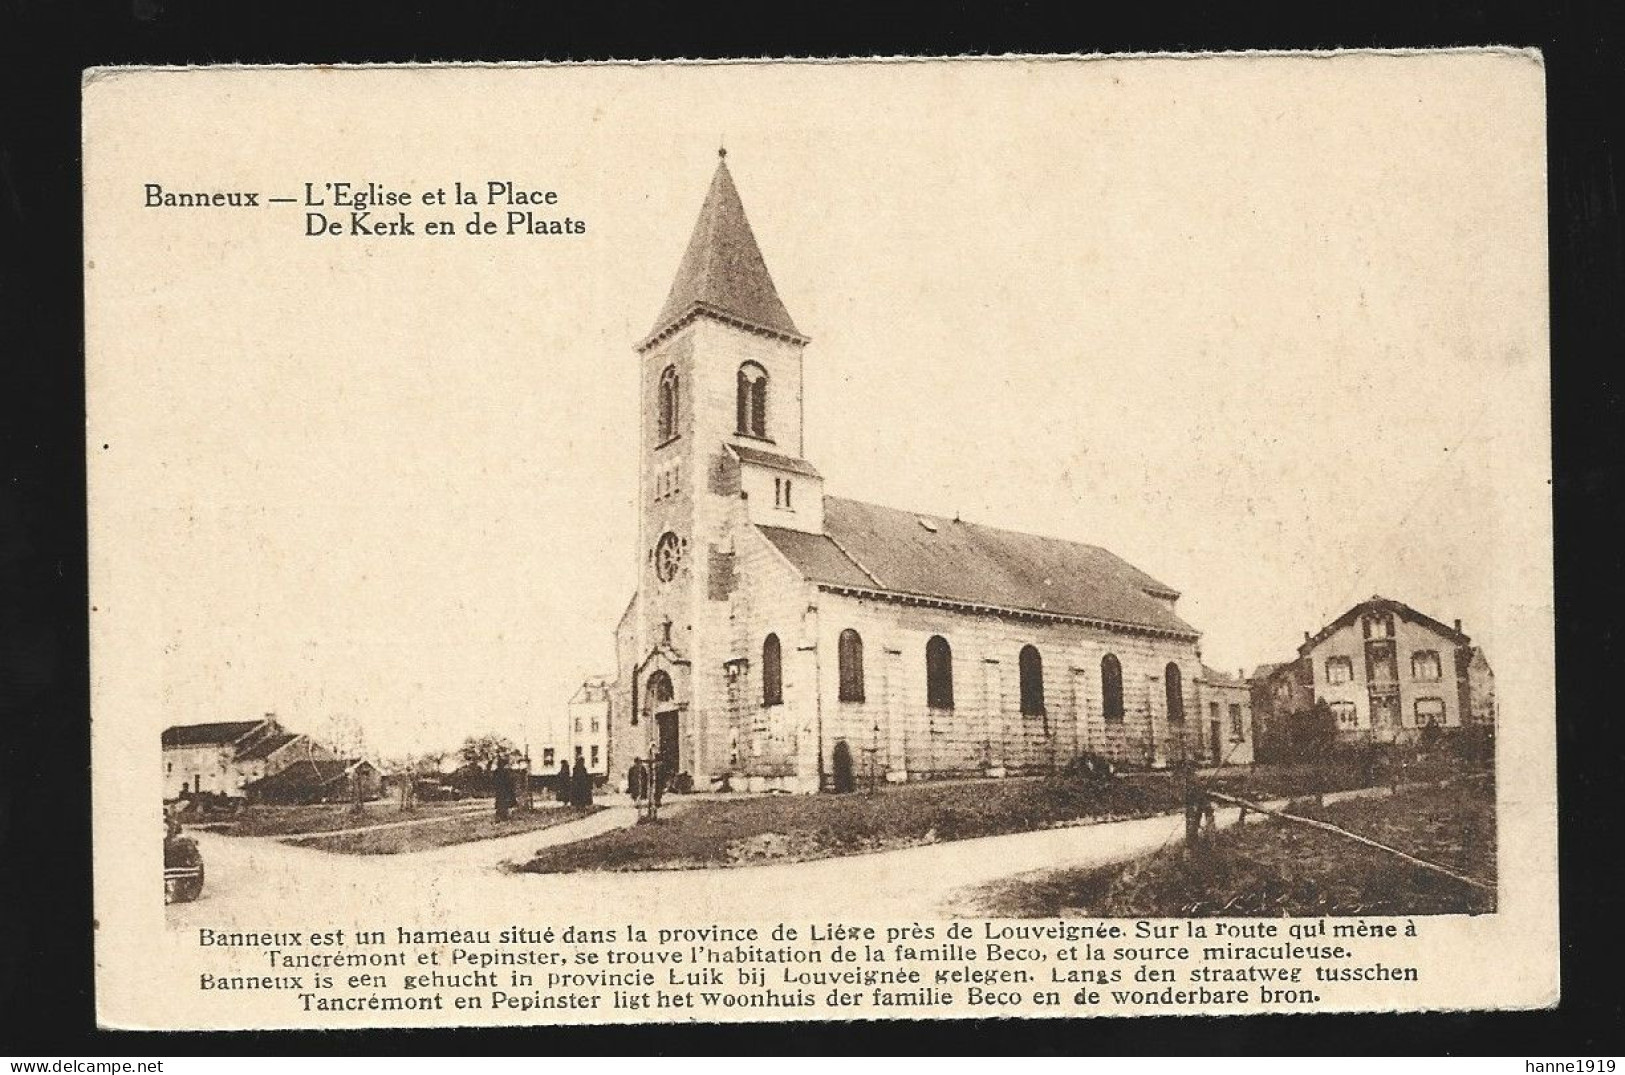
(220, 733)
(773, 459)
(264, 748)
(722, 271)
(302, 776)
(1379, 603)
(1223, 679)
(868, 547)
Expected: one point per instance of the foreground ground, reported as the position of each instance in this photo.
(421, 834)
(1278, 868)
(257, 883)
(747, 831)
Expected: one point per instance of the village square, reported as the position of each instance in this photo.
(970, 718)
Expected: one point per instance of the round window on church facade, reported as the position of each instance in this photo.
(668, 555)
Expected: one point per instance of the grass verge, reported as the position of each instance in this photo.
(1278, 868)
(328, 817)
(441, 832)
(792, 828)
(789, 828)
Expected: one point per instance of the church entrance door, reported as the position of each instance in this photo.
(670, 743)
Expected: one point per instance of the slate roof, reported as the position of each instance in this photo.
(869, 547)
(774, 459)
(1379, 603)
(298, 780)
(264, 748)
(722, 271)
(1222, 679)
(220, 733)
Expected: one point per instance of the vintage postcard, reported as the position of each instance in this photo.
(1044, 536)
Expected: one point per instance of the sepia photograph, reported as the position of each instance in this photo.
(586, 506)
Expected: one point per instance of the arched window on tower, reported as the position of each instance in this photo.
(772, 671)
(1032, 682)
(939, 673)
(750, 402)
(849, 658)
(666, 406)
(1111, 687)
(1174, 685)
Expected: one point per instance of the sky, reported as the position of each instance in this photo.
(1272, 330)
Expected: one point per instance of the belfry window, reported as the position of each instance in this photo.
(1111, 686)
(666, 406)
(750, 402)
(772, 672)
(1032, 682)
(849, 658)
(939, 673)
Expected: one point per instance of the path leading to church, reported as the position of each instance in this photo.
(254, 882)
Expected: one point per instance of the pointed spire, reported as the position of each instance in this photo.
(722, 271)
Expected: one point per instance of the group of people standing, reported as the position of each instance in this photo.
(573, 787)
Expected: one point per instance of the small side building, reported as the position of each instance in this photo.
(224, 757)
(1278, 691)
(317, 781)
(1228, 734)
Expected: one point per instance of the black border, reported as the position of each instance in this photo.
(46, 971)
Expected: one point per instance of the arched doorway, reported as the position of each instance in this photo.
(661, 705)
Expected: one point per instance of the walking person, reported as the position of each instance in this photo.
(580, 785)
(506, 800)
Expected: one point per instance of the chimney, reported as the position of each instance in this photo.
(1458, 627)
(1306, 636)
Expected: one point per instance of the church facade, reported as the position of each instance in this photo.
(781, 638)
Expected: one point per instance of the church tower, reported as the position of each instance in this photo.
(721, 441)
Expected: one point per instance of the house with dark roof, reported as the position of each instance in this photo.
(313, 780)
(1386, 671)
(776, 627)
(223, 757)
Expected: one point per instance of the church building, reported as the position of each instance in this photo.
(781, 638)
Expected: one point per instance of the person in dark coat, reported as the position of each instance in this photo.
(561, 788)
(635, 780)
(506, 799)
(580, 785)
